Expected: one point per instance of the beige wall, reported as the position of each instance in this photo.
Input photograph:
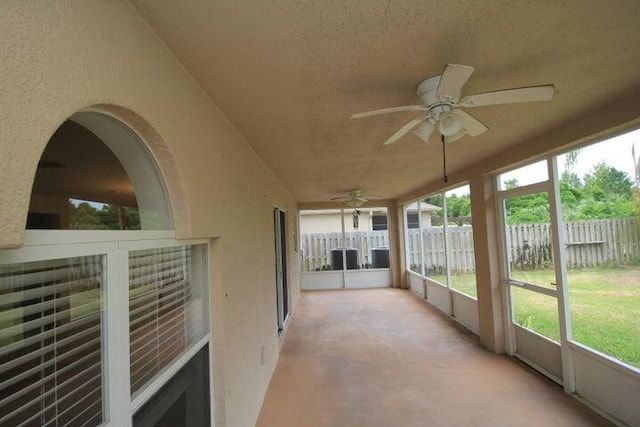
(60, 57)
(330, 221)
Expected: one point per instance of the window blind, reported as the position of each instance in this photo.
(51, 342)
(164, 318)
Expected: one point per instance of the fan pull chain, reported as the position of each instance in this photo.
(444, 160)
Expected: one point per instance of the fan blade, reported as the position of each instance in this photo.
(404, 129)
(340, 198)
(425, 129)
(453, 79)
(509, 96)
(389, 110)
(470, 124)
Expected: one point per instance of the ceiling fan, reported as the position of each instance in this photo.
(356, 198)
(441, 99)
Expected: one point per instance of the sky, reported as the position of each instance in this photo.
(614, 152)
(96, 205)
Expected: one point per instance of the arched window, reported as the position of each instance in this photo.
(69, 298)
(95, 173)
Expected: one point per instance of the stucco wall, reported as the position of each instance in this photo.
(59, 57)
(332, 222)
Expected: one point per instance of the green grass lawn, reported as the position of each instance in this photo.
(465, 283)
(604, 305)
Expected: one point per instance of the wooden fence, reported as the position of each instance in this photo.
(590, 243)
(602, 242)
(461, 255)
(317, 247)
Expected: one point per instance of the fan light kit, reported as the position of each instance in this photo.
(450, 124)
(440, 97)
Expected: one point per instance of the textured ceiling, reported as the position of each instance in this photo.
(290, 73)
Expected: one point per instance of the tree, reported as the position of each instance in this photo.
(571, 193)
(510, 183)
(528, 209)
(607, 193)
(437, 216)
(116, 217)
(571, 159)
(605, 182)
(636, 189)
(84, 216)
(459, 209)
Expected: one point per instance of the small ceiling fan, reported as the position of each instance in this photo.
(441, 98)
(356, 198)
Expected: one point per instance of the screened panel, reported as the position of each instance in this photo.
(412, 237)
(434, 248)
(51, 369)
(321, 239)
(461, 255)
(600, 196)
(526, 175)
(366, 239)
(528, 239)
(535, 311)
(166, 308)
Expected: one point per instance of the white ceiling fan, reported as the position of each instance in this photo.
(441, 98)
(356, 198)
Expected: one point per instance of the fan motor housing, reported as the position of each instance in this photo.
(427, 91)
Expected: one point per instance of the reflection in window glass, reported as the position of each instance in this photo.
(87, 215)
(535, 311)
(81, 184)
(460, 241)
(530, 174)
(528, 239)
(51, 369)
(166, 307)
(189, 392)
(600, 195)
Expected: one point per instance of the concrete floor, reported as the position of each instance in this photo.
(384, 357)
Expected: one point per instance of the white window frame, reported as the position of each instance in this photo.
(569, 349)
(549, 185)
(446, 240)
(41, 245)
